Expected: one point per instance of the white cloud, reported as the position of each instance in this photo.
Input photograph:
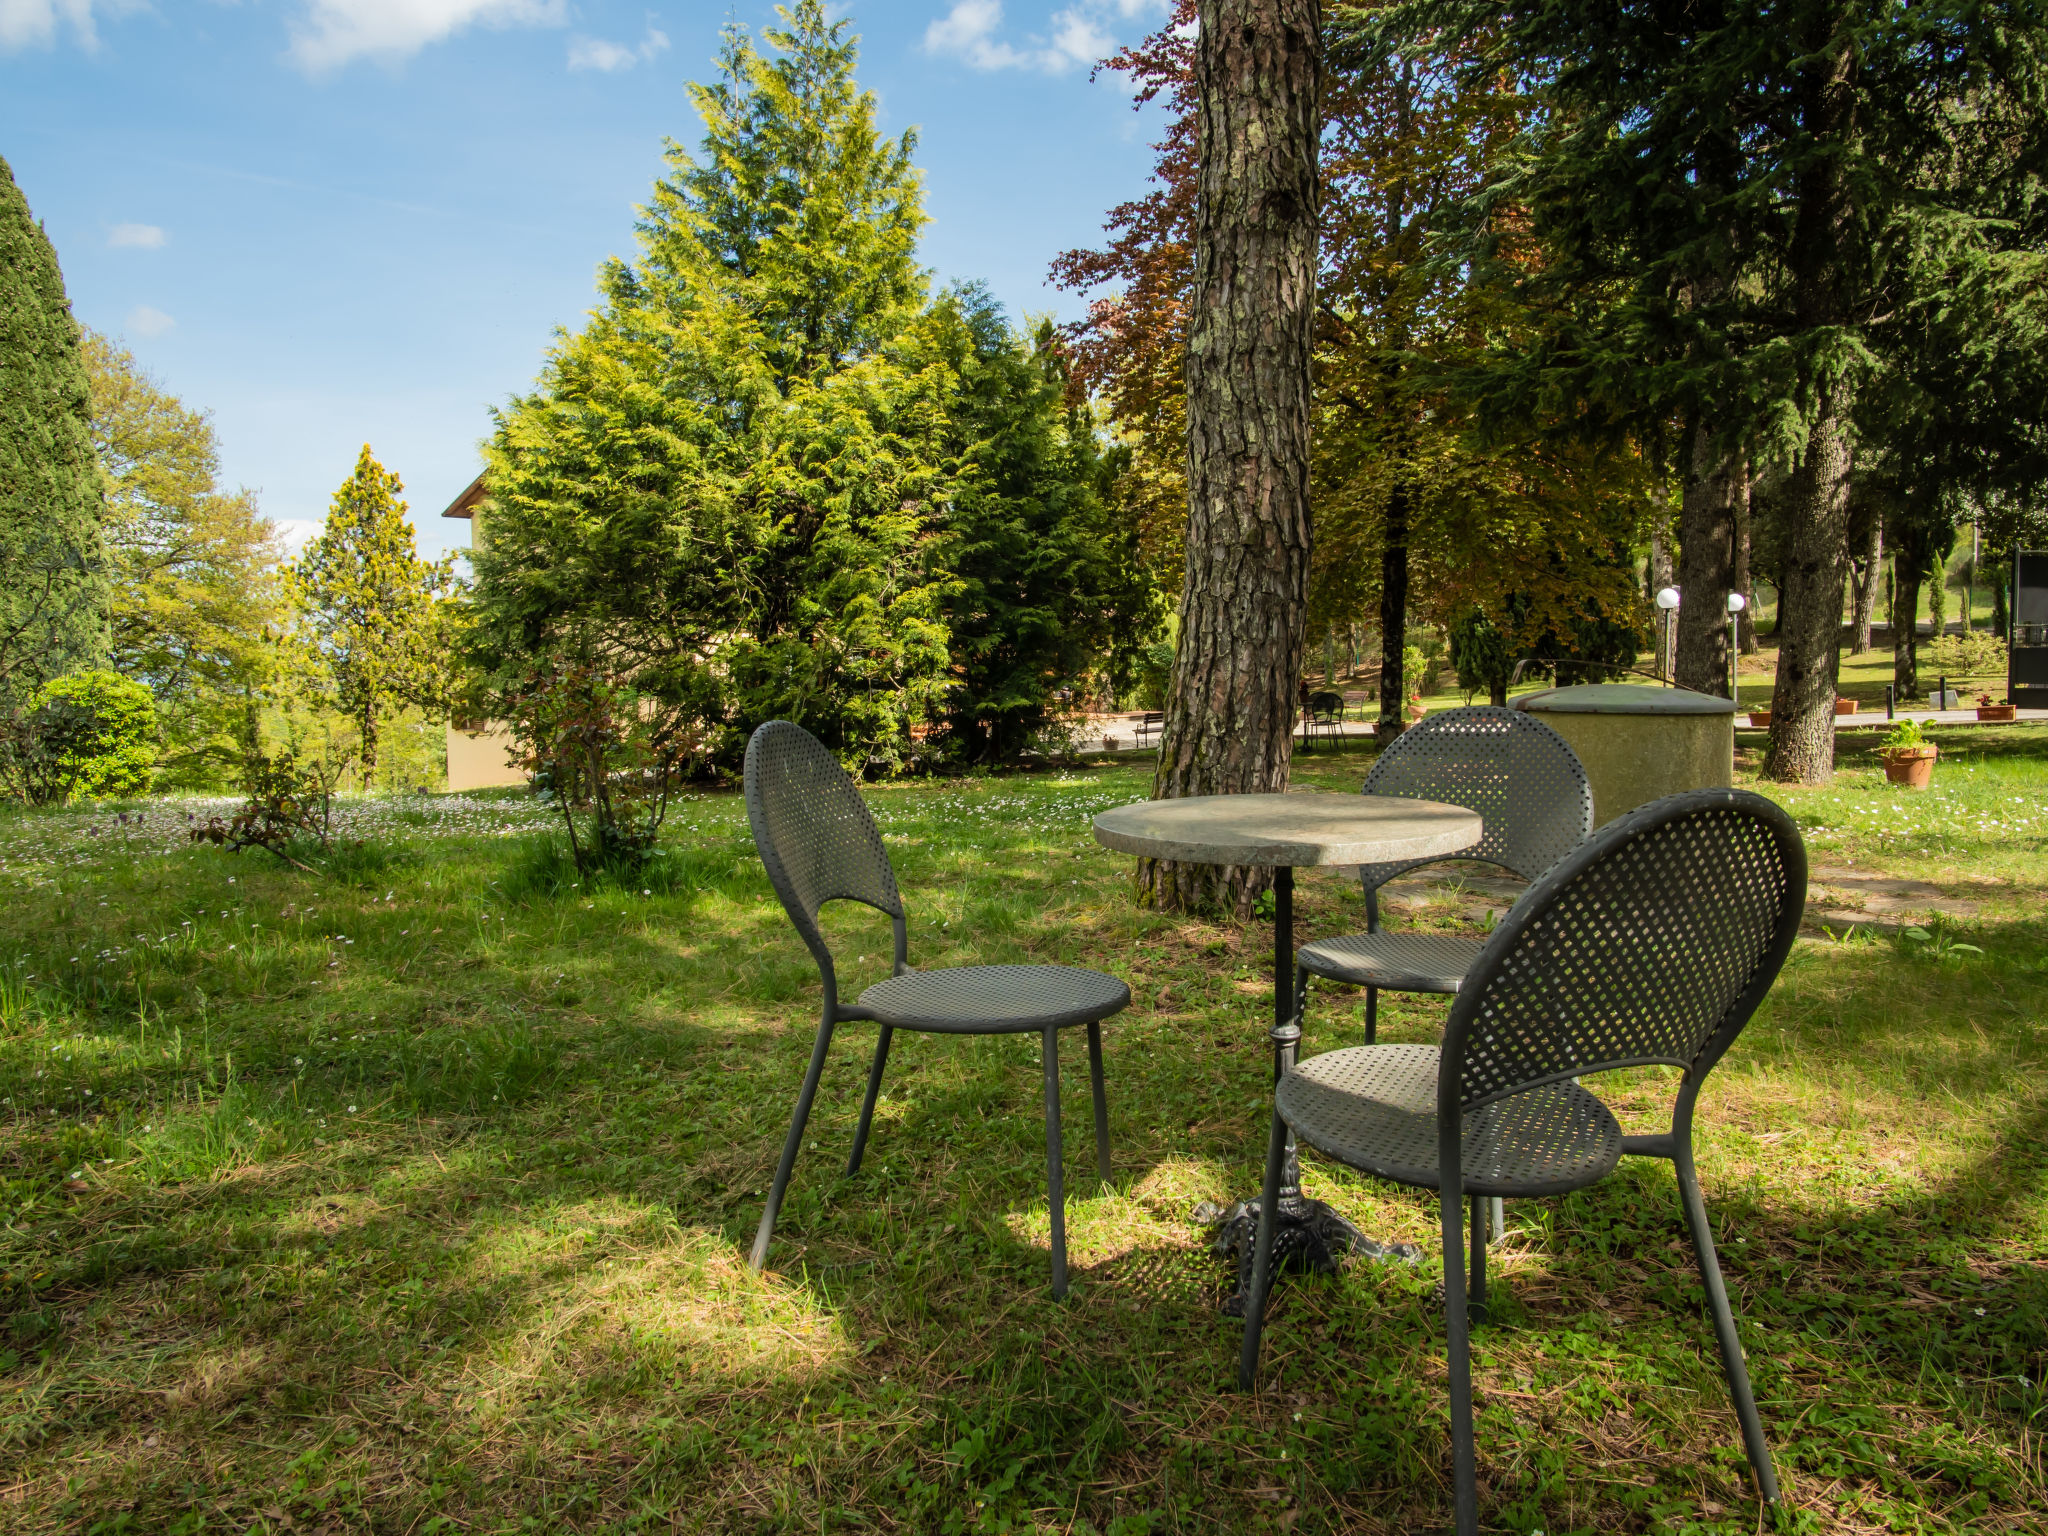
(295, 533)
(334, 32)
(598, 53)
(144, 321)
(34, 23)
(1079, 35)
(141, 237)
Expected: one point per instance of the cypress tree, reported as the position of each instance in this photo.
(52, 594)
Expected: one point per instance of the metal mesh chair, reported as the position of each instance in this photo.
(1530, 789)
(1652, 943)
(1325, 716)
(1527, 785)
(820, 844)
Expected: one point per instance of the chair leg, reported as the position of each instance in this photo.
(1753, 1440)
(1372, 1015)
(1464, 1456)
(759, 1256)
(1054, 1183)
(1101, 1102)
(1262, 1258)
(1475, 1285)
(1499, 1216)
(867, 1106)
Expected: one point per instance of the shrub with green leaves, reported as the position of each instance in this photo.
(91, 734)
(1977, 653)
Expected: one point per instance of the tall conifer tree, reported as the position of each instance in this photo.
(52, 591)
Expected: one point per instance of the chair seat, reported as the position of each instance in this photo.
(1399, 962)
(995, 999)
(1373, 1108)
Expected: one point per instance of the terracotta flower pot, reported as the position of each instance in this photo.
(1845, 706)
(1760, 719)
(1109, 743)
(1996, 712)
(1910, 766)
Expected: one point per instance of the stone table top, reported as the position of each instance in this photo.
(1299, 830)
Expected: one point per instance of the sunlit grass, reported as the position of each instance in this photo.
(415, 1197)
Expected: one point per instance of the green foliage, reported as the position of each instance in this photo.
(1155, 674)
(1976, 653)
(370, 605)
(92, 735)
(52, 589)
(607, 762)
(291, 802)
(1481, 654)
(194, 570)
(766, 481)
(1902, 735)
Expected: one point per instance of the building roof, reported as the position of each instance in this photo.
(465, 505)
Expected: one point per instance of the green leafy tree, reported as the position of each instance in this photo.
(1047, 574)
(743, 489)
(1743, 216)
(194, 571)
(371, 605)
(52, 590)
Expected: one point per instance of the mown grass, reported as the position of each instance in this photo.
(414, 1198)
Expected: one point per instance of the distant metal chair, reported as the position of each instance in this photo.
(1326, 715)
(1532, 794)
(1652, 943)
(820, 844)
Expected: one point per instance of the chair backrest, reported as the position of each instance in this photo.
(1523, 779)
(1326, 706)
(813, 831)
(1652, 942)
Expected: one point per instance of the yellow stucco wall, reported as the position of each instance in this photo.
(481, 759)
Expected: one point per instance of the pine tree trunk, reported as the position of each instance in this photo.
(1661, 576)
(1802, 749)
(1230, 715)
(1706, 563)
(1867, 571)
(1905, 630)
(1745, 622)
(1393, 616)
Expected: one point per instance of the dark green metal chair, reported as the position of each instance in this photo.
(820, 844)
(1652, 943)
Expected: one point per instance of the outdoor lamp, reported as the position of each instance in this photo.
(1667, 600)
(1736, 603)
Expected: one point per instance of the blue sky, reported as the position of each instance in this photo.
(333, 222)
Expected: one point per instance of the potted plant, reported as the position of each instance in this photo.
(1986, 710)
(1908, 755)
(1760, 719)
(1845, 706)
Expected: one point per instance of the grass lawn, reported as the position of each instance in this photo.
(413, 1198)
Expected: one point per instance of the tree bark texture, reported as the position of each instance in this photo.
(1393, 616)
(1244, 601)
(1706, 562)
(1863, 579)
(1662, 574)
(1905, 630)
(1802, 749)
(1745, 623)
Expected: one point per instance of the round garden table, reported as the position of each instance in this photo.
(1283, 833)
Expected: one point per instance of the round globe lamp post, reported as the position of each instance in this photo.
(1667, 603)
(1736, 603)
